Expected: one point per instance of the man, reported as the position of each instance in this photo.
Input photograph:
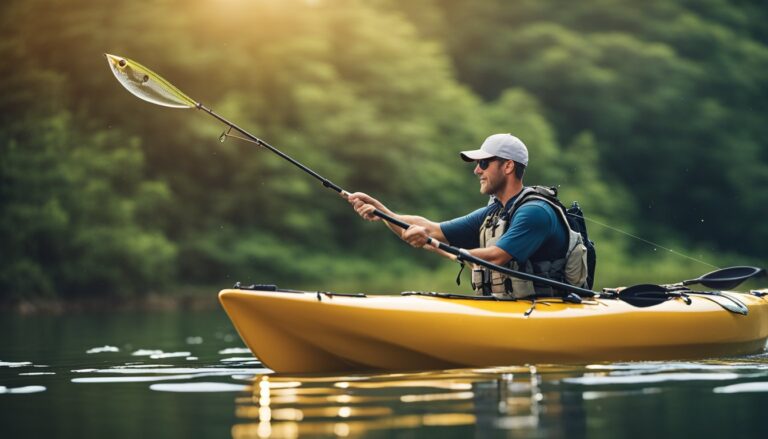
(520, 228)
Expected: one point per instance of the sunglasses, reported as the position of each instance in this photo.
(484, 163)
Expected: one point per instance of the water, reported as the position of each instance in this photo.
(175, 374)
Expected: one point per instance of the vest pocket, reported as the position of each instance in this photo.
(522, 288)
(576, 268)
(481, 281)
(486, 282)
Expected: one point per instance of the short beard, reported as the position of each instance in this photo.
(492, 189)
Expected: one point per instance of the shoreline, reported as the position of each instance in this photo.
(149, 302)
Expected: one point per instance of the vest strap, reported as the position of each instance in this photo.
(485, 281)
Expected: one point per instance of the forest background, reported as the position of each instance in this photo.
(652, 114)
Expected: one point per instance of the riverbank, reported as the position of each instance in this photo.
(196, 297)
(172, 301)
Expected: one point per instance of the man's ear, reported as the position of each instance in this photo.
(509, 167)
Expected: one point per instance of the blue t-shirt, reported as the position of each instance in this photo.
(535, 231)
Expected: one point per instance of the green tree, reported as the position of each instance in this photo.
(672, 92)
(77, 214)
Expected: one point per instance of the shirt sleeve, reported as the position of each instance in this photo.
(531, 226)
(464, 231)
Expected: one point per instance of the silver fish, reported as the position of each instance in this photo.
(146, 84)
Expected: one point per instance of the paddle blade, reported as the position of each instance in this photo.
(727, 278)
(146, 84)
(644, 295)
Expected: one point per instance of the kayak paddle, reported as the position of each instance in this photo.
(151, 87)
(645, 295)
(726, 278)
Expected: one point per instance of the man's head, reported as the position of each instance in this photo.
(505, 146)
(501, 156)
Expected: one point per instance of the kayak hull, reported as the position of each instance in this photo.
(294, 332)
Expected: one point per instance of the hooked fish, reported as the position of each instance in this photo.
(146, 84)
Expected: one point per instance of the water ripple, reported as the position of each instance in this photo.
(646, 379)
(199, 387)
(102, 349)
(21, 390)
(743, 388)
(237, 359)
(14, 364)
(230, 351)
(175, 370)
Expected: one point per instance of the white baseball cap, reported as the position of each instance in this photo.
(505, 146)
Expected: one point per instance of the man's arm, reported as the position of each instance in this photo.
(492, 254)
(421, 228)
(531, 226)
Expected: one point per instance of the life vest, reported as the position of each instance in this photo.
(571, 268)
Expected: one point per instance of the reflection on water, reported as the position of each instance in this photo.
(196, 380)
(25, 389)
(544, 401)
(199, 387)
(102, 349)
(479, 402)
(743, 387)
(353, 406)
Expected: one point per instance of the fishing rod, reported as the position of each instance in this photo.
(151, 87)
(460, 253)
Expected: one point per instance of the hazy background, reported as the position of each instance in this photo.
(652, 114)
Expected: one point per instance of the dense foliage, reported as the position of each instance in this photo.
(673, 92)
(650, 114)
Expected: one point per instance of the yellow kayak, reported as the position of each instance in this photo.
(310, 332)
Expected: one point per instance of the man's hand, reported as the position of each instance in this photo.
(416, 236)
(364, 205)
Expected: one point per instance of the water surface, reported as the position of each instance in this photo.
(187, 374)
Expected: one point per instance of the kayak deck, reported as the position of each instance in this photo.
(309, 332)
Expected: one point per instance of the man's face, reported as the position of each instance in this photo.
(492, 178)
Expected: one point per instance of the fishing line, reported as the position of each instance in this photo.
(224, 136)
(645, 241)
(651, 243)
